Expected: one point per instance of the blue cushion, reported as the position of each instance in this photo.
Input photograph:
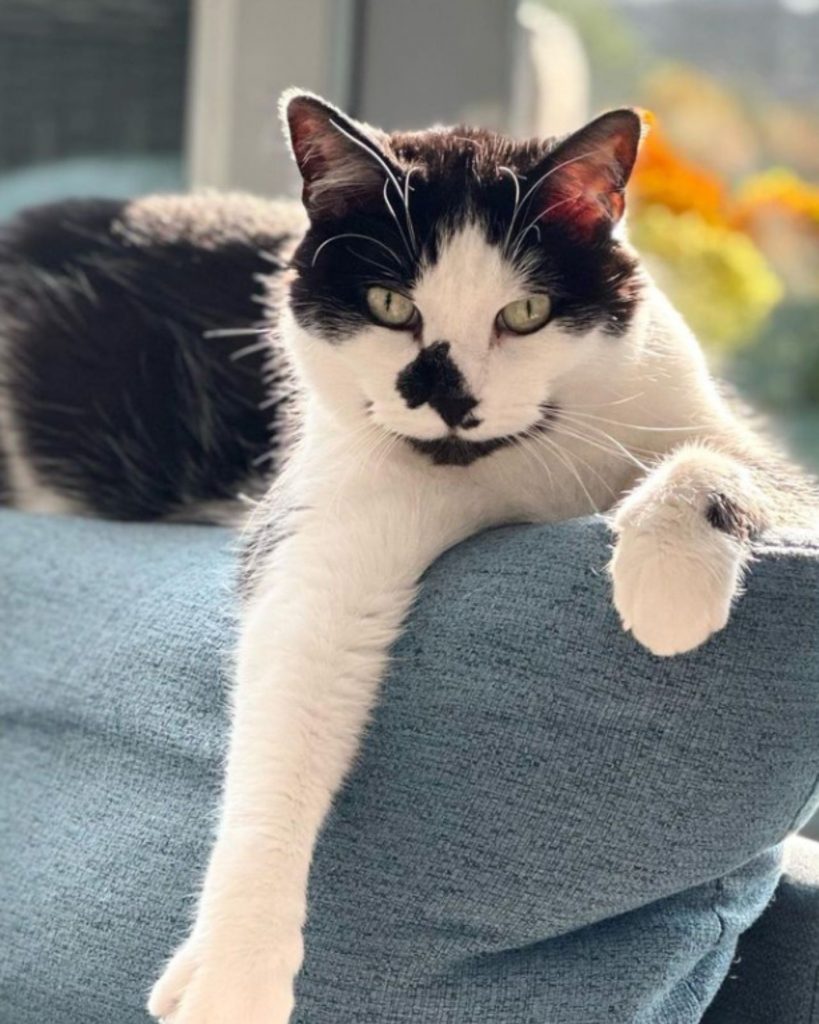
(546, 823)
(775, 978)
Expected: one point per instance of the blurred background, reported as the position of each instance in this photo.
(122, 97)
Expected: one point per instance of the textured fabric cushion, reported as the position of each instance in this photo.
(547, 824)
(775, 977)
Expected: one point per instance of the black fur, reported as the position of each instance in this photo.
(725, 515)
(454, 451)
(121, 401)
(458, 175)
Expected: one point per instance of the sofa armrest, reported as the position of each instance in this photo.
(775, 978)
(546, 822)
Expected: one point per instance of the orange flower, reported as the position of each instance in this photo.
(663, 177)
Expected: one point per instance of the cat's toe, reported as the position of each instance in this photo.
(673, 596)
(223, 984)
(173, 981)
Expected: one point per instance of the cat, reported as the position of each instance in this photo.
(454, 333)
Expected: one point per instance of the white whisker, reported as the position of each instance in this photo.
(606, 405)
(516, 181)
(386, 167)
(270, 257)
(530, 450)
(410, 226)
(387, 271)
(588, 465)
(556, 168)
(640, 426)
(353, 234)
(565, 458)
(233, 332)
(248, 350)
(394, 216)
(619, 451)
(533, 223)
(539, 437)
(581, 425)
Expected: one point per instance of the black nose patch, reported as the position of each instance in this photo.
(433, 377)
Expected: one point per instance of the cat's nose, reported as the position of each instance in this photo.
(433, 378)
(453, 409)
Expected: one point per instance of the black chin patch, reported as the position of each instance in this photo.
(458, 452)
(454, 451)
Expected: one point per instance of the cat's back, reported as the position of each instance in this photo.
(132, 371)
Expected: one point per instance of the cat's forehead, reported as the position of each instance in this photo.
(466, 153)
(465, 262)
(463, 283)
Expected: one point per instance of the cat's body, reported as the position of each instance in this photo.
(133, 379)
(462, 339)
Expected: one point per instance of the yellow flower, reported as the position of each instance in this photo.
(715, 275)
(779, 190)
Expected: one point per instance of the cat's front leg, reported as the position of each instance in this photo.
(313, 651)
(682, 545)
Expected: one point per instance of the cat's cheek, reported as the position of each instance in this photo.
(674, 589)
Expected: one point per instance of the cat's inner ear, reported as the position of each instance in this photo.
(583, 180)
(343, 163)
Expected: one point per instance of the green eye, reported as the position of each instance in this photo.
(526, 315)
(390, 308)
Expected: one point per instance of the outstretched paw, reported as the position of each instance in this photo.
(206, 984)
(675, 578)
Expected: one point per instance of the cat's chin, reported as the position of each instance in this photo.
(456, 451)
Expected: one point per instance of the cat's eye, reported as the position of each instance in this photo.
(525, 315)
(391, 308)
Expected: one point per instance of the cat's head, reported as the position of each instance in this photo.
(451, 279)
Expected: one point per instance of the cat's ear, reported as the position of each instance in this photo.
(343, 163)
(585, 176)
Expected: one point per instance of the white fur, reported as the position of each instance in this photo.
(373, 514)
(675, 576)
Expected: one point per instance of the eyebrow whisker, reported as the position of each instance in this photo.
(354, 234)
(371, 151)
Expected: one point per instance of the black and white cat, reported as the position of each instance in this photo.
(461, 337)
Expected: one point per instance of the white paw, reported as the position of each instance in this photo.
(208, 983)
(673, 589)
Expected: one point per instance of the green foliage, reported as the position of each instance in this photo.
(781, 367)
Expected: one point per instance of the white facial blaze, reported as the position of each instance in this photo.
(458, 298)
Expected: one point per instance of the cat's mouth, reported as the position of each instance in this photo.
(452, 450)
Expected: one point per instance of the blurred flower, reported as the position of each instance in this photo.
(717, 277)
(708, 120)
(780, 212)
(663, 176)
(781, 189)
(790, 133)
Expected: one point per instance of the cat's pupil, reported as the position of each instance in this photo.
(388, 301)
